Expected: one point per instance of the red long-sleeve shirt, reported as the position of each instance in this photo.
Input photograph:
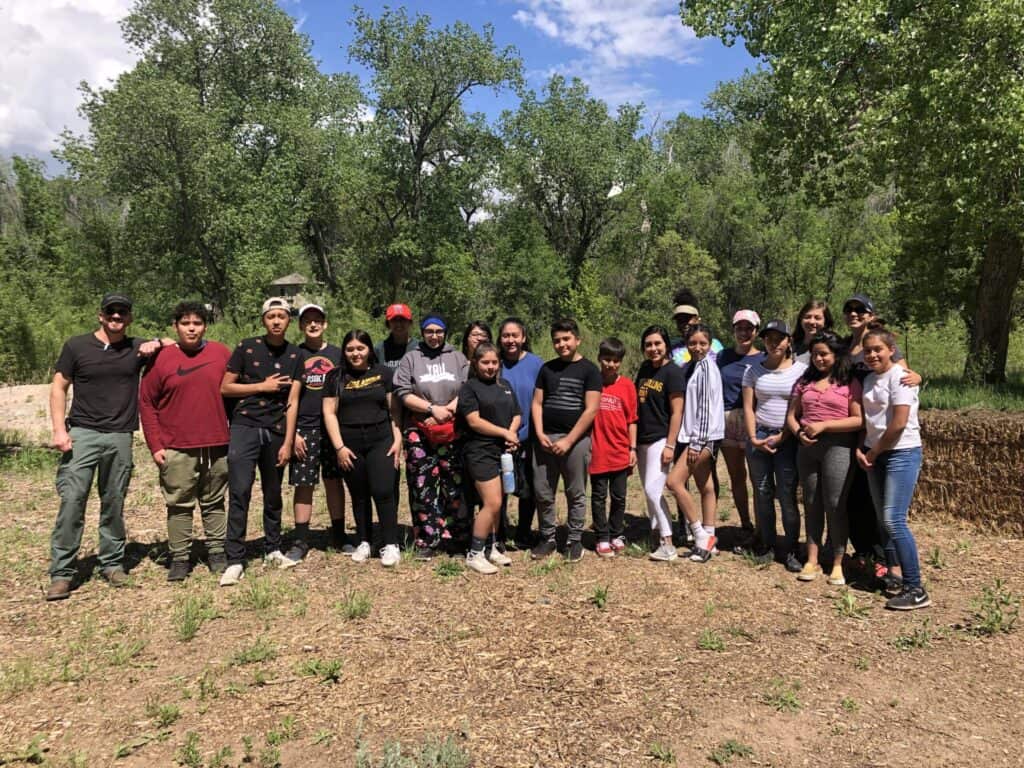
(179, 399)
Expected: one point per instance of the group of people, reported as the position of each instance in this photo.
(475, 425)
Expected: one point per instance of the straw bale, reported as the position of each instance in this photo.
(973, 469)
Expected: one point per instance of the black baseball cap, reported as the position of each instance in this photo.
(112, 299)
(779, 326)
(860, 298)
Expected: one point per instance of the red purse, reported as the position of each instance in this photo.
(438, 434)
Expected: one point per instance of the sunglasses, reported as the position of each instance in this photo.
(856, 310)
(111, 311)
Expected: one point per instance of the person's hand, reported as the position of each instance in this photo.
(692, 456)
(443, 413)
(632, 458)
(863, 460)
(160, 457)
(61, 440)
(804, 438)
(511, 439)
(814, 430)
(764, 445)
(395, 451)
(544, 442)
(275, 382)
(561, 447)
(284, 454)
(148, 348)
(667, 454)
(300, 447)
(911, 379)
(347, 457)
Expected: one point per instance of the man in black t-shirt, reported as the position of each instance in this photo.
(313, 455)
(265, 374)
(565, 402)
(96, 437)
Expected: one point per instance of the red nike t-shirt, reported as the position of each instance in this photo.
(609, 446)
(179, 399)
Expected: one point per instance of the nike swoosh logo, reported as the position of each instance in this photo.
(187, 371)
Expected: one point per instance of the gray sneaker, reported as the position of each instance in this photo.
(274, 559)
(294, 556)
(665, 553)
(232, 575)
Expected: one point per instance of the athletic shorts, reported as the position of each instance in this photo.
(320, 458)
(712, 446)
(735, 430)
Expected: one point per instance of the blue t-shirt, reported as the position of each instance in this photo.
(732, 367)
(522, 375)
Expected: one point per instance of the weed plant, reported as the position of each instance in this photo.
(724, 753)
(355, 605)
(996, 611)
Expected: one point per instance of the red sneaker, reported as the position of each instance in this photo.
(604, 549)
(618, 544)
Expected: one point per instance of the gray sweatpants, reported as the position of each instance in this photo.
(572, 469)
(826, 471)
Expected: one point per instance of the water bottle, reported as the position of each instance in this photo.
(508, 473)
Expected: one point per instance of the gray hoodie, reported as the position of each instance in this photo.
(434, 376)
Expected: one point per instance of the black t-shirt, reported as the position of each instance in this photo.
(362, 396)
(105, 381)
(495, 401)
(254, 360)
(316, 366)
(565, 386)
(390, 352)
(653, 387)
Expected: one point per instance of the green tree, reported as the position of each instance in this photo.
(926, 94)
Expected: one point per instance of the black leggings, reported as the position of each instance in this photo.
(373, 476)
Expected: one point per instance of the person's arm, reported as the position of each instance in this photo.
(698, 437)
(149, 394)
(591, 404)
(395, 408)
(482, 426)
(230, 386)
(675, 421)
(61, 440)
(750, 421)
(291, 418)
(632, 444)
(329, 408)
(537, 419)
(793, 414)
(891, 436)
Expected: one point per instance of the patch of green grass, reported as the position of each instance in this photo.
(124, 652)
(188, 753)
(661, 752)
(260, 651)
(163, 715)
(996, 611)
(710, 640)
(741, 632)
(323, 736)
(449, 568)
(191, 612)
(220, 758)
(30, 460)
(355, 605)
(599, 597)
(849, 705)
(782, 695)
(546, 567)
(724, 753)
(862, 664)
(329, 671)
(848, 607)
(433, 753)
(951, 393)
(33, 753)
(963, 547)
(21, 675)
(935, 558)
(636, 550)
(918, 638)
(286, 731)
(259, 594)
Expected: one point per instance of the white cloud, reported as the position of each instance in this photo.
(49, 47)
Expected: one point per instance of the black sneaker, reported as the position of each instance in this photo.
(793, 564)
(543, 549)
(217, 562)
(178, 571)
(891, 584)
(575, 552)
(424, 553)
(910, 599)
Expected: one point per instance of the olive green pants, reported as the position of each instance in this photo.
(188, 476)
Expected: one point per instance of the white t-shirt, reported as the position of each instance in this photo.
(772, 388)
(882, 392)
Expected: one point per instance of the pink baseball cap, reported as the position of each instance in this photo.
(749, 315)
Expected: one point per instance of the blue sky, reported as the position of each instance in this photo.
(625, 50)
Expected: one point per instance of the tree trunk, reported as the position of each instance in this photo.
(990, 331)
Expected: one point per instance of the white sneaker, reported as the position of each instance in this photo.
(232, 575)
(275, 560)
(479, 563)
(498, 557)
(665, 553)
(389, 556)
(362, 553)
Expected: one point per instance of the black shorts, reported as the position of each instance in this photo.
(712, 445)
(320, 459)
(481, 463)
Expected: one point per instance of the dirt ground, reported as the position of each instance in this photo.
(679, 664)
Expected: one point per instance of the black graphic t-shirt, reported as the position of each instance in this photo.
(653, 388)
(565, 386)
(362, 396)
(495, 401)
(254, 360)
(316, 366)
(105, 382)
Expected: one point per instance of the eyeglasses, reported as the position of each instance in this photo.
(433, 332)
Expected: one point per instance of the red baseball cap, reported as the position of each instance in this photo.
(397, 310)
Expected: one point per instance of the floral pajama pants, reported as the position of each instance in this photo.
(434, 475)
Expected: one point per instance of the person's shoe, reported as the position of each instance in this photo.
(60, 589)
(910, 599)
(390, 556)
(543, 549)
(836, 578)
(700, 554)
(498, 557)
(477, 561)
(809, 572)
(274, 559)
(217, 562)
(362, 553)
(293, 557)
(523, 544)
(618, 544)
(425, 553)
(892, 584)
(793, 564)
(178, 571)
(604, 549)
(232, 575)
(575, 552)
(116, 577)
(665, 553)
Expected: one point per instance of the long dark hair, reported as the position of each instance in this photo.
(798, 332)
(699, 328)
(483, 348)
(356, 334)
(842, 369)
(659, 330)
(522, 327)
(877, 328)
(473, 325)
